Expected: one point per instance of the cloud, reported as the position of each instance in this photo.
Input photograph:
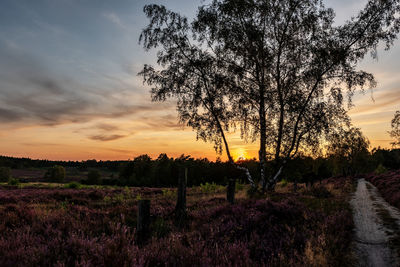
(107, 127)
(161, 122)
(105, 138)
(382, 101)
(8, 115)
(122, 151)
(41, 144)
(32, 94)
(112, 17)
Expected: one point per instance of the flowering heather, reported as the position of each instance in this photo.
(388, 185)
(96, 227)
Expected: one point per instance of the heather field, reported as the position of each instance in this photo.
(388, 185)
(57, 226)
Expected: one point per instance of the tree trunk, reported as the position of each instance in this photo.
(272, 182)
(263, 137)
(230, 159)
(247, 173)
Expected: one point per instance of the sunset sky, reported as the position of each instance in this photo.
(69, 88)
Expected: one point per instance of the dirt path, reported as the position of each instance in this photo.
(372, 234)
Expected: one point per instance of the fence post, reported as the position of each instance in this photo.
(180, 209)
(230, 192)
(143, 221)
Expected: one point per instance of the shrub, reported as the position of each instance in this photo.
(94, 177)
(239, 187)
(55, 174)
(211, 188)
(284, 183)
(169, 193)
(5, 174)
(13, 181)
(380, 169)
(73, 185)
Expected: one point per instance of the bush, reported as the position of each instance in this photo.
(239, 187)
(94, 177)
(284, 183)
(253, 192)
(380, 169)
(211, 188)
(73, 185)
(5, 174)
(55, 174)
(169, 193)
(13, 181)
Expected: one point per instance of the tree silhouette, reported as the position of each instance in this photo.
(281, 70)
(349, 151)
(195, 77)
(395, 132)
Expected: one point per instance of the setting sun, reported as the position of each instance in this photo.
(240, 154)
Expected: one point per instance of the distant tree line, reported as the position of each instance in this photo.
(24, 163)
(342, 159)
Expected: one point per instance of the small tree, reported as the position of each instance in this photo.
(395, 132)
(5, 174)
(349, 150)
(56, 174)
(94, 177)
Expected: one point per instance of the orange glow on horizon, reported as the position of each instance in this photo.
(240, 154)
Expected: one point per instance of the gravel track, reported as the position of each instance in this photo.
(372, 240)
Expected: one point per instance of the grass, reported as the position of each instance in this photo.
(392, 227)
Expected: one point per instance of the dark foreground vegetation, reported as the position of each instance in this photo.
(96, 227)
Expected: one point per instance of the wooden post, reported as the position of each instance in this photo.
(180, 208)
(230, 192)
(143, 221)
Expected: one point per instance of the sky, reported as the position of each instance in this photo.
(69, 88)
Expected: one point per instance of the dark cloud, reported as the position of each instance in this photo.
(105, 138)
(7, 115)
(165, 122)
(107, 127)
(32, 94)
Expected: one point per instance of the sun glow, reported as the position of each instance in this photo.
(240, 154)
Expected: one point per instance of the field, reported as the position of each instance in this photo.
(388, 185)
(57, 226)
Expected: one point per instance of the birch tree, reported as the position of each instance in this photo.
(395, 132)
(281, 70)
(196, 78)
(296, 72)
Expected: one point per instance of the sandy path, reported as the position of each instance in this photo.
(371, 239)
